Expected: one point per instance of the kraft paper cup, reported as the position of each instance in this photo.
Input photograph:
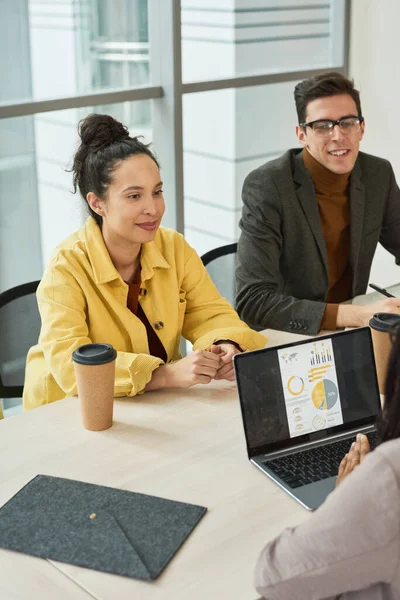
(381, 326)
(95, 375)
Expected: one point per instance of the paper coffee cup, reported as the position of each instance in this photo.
(95, 375)
(381, 326)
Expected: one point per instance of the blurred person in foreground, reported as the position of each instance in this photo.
(349, 548)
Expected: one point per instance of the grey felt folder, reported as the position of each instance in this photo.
(96, 527)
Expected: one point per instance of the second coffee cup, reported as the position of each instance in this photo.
(95, 375)
(381, 326)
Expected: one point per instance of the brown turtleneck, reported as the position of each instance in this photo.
(334, 210)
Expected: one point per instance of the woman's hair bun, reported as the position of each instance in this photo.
(97, 131)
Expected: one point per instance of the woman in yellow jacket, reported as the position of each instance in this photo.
(124, 280)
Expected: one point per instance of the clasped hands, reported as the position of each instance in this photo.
(204, 365)
(225, 353)
(199, 367)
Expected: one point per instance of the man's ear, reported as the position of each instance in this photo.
(362, 130)
(301, 135)
(95, 203)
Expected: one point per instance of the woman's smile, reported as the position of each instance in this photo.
(148, 225)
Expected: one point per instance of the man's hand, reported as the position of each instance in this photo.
(199, 367)
(358, 451)
(351, 315)
(225, 351)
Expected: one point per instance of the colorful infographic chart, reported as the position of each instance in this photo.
(310, 386)
(325, 394)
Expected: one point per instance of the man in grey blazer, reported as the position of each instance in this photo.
(312, 219)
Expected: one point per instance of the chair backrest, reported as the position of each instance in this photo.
(221, 264)
(19, 330)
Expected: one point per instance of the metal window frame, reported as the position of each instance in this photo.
(167, 93)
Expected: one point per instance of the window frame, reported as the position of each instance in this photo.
(167, 90)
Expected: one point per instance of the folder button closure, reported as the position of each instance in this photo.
(159, 325)
(142, 292)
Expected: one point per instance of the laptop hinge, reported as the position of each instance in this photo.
(332, 438)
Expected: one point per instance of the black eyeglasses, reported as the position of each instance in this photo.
(324, 127)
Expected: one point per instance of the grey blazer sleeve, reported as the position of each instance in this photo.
(390, 232)
(349, 546)
(261, 300)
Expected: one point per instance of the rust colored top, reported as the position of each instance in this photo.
(155, 346)
(332, 195)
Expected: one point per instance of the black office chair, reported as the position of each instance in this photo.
(19, 330)
(221, 264)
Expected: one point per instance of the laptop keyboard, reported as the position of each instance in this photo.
(314, 464)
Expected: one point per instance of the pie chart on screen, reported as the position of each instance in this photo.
(295, 385)
(325, 394)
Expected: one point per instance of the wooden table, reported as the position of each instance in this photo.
(184, 445)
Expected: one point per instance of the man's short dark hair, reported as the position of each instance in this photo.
(322, 86)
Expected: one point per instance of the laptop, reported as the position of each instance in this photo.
(303, 404)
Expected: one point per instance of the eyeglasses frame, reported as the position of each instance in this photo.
(334, 123)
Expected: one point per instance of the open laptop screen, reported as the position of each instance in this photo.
(306, 391)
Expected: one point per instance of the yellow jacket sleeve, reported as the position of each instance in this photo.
(208, 316)
(64, 328)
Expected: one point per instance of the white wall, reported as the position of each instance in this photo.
(374, 52)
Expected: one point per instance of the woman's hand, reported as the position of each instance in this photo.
(225, 351)
(358, 451)
(199, 367)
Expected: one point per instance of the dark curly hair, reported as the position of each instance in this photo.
(104, 142)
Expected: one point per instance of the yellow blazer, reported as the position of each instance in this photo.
(83, 299)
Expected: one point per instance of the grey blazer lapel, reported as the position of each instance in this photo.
(306, 195)
(357, 207)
